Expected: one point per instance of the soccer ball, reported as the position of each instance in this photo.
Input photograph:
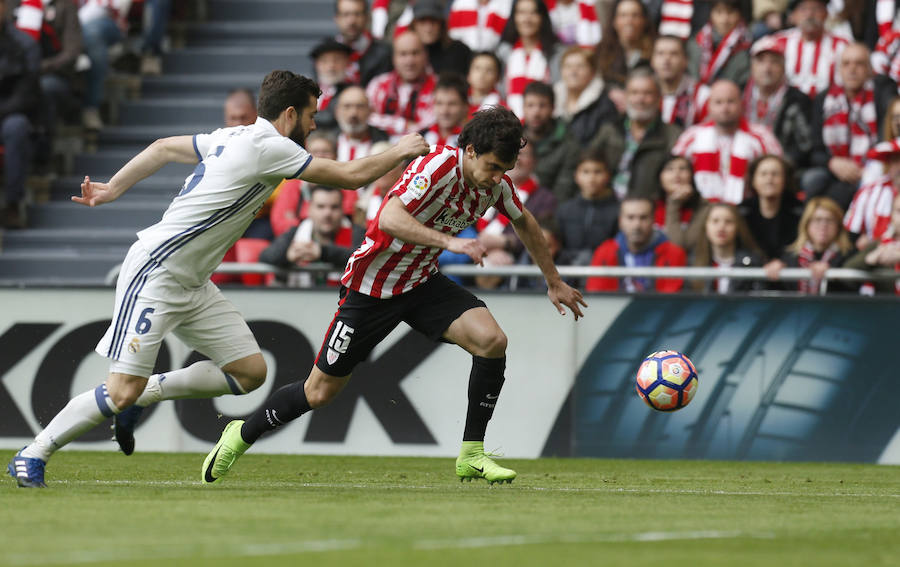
(667, 380)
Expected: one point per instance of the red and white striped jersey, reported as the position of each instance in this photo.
(676, 18)
(809, 65)
(720, 161)
(870, 211)
(886, 56)
(436, 195)
(478, 25)
(352, 148)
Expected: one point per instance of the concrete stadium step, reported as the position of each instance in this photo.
(146, 134)
(50, 267)
(240, 59)
(234, 32)
(171, 111)
(123, 214)
(74, 240)
(210, 85)
(107, 161)
(242, 10)
(157, 187)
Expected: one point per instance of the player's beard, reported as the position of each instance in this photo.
(298, 135)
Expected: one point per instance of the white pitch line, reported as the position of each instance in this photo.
(161, 552)
(519, 487)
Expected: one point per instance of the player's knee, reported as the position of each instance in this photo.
(491, 343)
(124, 395)
(250, 373)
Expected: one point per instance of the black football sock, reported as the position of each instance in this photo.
(285, 405)
(485, 383)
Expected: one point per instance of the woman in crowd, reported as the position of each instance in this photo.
(822, 243)
(726, 243)
(580, 100)
(527, 47)
(678, 213)
(772, 211)
(628, 37)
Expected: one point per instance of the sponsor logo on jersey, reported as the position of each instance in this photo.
(419, 185)
(445, 218)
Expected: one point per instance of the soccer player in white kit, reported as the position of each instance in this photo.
(164, 284)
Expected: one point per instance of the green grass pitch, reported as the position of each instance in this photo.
(151, 509)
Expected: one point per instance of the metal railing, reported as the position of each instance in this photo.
(686, 272)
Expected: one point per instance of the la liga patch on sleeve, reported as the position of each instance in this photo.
(419, 185)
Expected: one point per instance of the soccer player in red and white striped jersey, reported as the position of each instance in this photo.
(393, 276)
(810, 53)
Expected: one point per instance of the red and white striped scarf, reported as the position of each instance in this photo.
(676, 18)
(30, 18)
(720, 161)
(575, 23)
(885, 12)
(886, 56)
(810, 65)
(807, 256)
(870, 211)
(433, 136)
(360, 46)
(850, 127)
(713, 59)
(492, 223)
(760, 110)
(478, 25)
(681, 104)
(524, 67)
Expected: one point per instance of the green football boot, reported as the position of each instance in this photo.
(224, 454)
(473, 462)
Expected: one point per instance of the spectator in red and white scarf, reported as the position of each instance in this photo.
(882, 253)
(721, 148)
(771, 102)
(528, 44)
(370, 56)
(355, 136)
(669, 62)
(575, 22)
(402, 100)
(811, 54)
(444, 53)
(822, 243)
(869, 215)
(845, 127)
(478, 23)
(450, 111)
(483, 78)
(719, 49)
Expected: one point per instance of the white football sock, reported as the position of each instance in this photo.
(200, 380)
(81, 414)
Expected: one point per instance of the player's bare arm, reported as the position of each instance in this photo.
(359, 172)
(559, 292)
(396, 221)
(179, 149)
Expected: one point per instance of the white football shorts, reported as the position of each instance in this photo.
(150, 304)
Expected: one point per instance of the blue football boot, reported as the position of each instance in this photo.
(28, 472)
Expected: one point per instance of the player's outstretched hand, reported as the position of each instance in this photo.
(561, 293)
(471, 247)
(94, 193)
(412, 146)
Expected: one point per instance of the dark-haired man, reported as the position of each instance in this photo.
(554, 149)
(393, 276)
(451, 107)
(164, 282)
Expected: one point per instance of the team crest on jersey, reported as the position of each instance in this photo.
(134, 346)
(331, 355)
(419, 185)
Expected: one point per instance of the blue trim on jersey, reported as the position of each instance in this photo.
(101, 395)
(170, 246)
(296, 175)
(196, 149)
(127, 304)
(235, 389)
(127, 326)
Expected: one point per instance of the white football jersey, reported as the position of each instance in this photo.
(238, 170)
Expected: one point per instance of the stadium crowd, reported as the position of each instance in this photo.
(716, 133)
